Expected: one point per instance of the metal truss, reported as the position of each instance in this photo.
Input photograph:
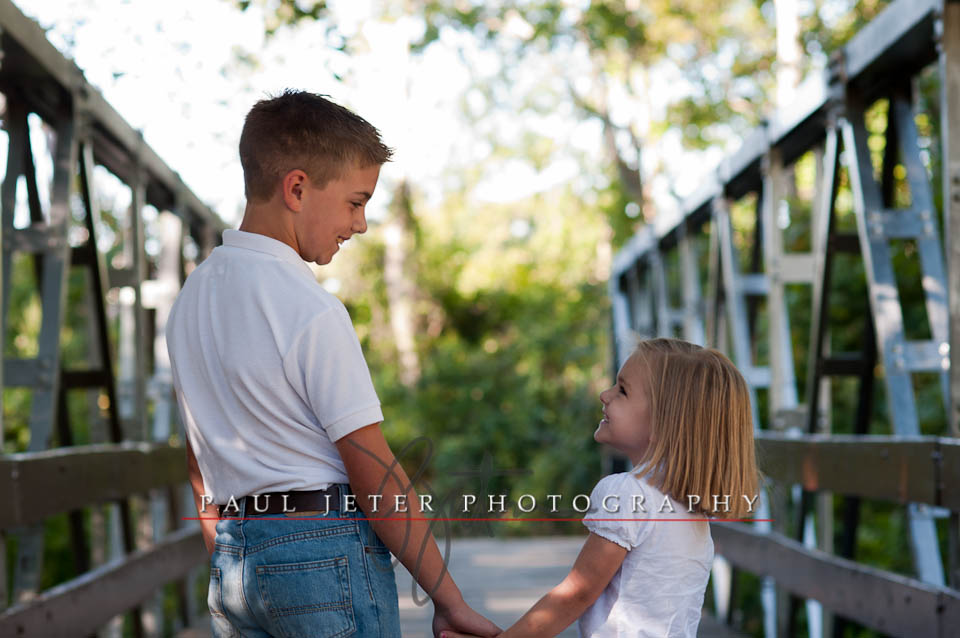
(743, 308)
(130, 376)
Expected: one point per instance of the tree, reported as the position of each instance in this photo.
(717, 57)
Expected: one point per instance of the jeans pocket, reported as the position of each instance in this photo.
(220, 626)
(309, 599)
(380, 562)
(214, 595)
(383, 588)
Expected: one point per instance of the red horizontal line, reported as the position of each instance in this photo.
(495, 520)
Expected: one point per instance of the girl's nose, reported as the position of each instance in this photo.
(604, 395)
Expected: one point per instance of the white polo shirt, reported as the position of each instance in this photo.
(268, 371)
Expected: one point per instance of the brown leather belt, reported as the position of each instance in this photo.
(328, 500)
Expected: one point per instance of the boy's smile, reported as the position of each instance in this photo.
(314, 221)
(330, 215)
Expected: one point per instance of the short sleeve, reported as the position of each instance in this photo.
(325, 365)
(616, 511)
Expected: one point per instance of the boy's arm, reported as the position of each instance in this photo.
(373, 470)
(208, 522)
(596, 565)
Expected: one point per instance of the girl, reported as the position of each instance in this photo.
(681, 414)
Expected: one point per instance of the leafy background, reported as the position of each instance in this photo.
(485, 319)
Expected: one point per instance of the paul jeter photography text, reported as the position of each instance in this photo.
(496, 504)
(471, 505)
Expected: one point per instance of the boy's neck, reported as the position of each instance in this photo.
(271, 220)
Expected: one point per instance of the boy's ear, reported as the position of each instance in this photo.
(291, 189)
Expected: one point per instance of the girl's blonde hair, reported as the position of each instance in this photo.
(701, 441)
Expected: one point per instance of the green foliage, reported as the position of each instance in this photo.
(23, 328)
(512, 328)
(281, 13)
(513, 343)
(505, 384)
(724, 51)
(614, 202)
(22, 342)
(829, 27)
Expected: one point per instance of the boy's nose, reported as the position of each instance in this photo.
(360, 224)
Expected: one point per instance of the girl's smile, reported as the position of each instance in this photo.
(626, 412)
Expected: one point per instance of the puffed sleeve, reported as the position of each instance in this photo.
(617, 511)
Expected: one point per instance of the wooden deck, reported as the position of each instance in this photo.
(499, 578)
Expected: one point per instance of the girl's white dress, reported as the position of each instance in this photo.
(658, 591)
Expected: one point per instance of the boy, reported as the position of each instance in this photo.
(281, 417)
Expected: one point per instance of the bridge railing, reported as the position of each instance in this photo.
(814, 257)
(87, 393)
(39, 485)
(882, 468)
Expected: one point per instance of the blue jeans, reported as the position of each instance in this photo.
(289, 577)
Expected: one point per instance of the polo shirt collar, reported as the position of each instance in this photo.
(269, 245)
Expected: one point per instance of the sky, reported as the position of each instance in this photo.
(185, 72)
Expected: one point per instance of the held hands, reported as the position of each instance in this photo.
(447, 621)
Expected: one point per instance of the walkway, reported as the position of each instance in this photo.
(501, 579)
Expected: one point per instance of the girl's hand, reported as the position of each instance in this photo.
(450, 620)
(596, 565)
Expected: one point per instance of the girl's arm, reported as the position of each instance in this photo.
(598, 561)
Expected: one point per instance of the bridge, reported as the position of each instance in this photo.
(745, 259)
(748, 254)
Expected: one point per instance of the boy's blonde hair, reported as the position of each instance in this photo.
(701, 441)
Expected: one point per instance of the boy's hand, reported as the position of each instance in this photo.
(449, 620)
(453, 634)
